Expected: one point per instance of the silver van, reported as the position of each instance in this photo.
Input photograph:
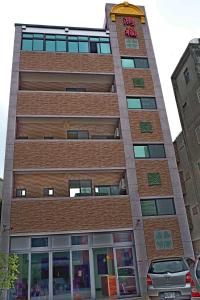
(169, 278)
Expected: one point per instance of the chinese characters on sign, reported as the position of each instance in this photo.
(130, 31)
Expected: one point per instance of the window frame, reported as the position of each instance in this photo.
(134, 60)
(20, 196)
(106, 186)
(141, 103)
(156, 201)
(79, 183)
(149, 147)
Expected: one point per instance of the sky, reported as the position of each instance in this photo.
(173, 23)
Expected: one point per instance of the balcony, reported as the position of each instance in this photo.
(68, 128)
(36, 216)
(66, 62)
(68, 154)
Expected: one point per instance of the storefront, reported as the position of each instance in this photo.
(79, 266)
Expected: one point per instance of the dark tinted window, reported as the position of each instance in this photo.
(148, 103)
(157, 151)
(168, 266)
(165, 207)
(141, 63)
(39, 242)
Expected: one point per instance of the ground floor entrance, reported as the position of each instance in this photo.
(92, 266)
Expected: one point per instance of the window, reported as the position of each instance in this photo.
(138, 82)
(141, 103)
(75, 89)
(64, 43)
(39, 242)
(79, 188)
(158, 207)
(20, 192)
(132, 43)
(154, 178)
(146, 127)
(149, 151)
(78, 134)
(136, 62)
(186, 76)
(48, 192)
(79, 239)
(122, 236)
(163, 239)
(107, 190)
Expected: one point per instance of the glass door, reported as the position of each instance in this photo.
(126, 275)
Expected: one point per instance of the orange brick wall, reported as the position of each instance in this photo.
(32, 103)
(66, 62)
(135, 117)
(58, 129)
(150, 225)
(70, 215)
(129, 74)
(121, 38)
(34, 183)
(68, 154)
(150, 166)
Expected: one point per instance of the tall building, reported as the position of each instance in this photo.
(186, 84)
(91, 191)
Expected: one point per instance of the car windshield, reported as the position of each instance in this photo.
(169, 266)
(198, 269)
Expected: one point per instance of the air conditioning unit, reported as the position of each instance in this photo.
(117, 133)
(122, 184)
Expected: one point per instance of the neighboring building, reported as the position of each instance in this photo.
(186, 84)
(91, 190)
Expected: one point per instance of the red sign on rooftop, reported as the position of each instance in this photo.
(130, 29)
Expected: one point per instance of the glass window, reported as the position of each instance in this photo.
(128, 63)
(48, 191)
(38, 45)
(79, 188)
(163, 241)
(141, 151)
(104, 39)
(83, 38)
(94, 39)
(105, 48)
(39, 242)
(73, 46)
(167, 266)
(79, 239)
(20, 290)
(61, 276)
(161, 206)
(38, 35)
(157, 151)
(39, 276)
(107, 190)
(83, 47)
(141, 63)
(20, 192)
(148, 103)
(165, 206)
(61, 46)
(78, 134)
(27, 35)
(50, 37)
(81, 274)
(134, 103)
(61, 37)
(146, 127)
(27, 45)
(50, 46)
(122, 236)
(148, 207)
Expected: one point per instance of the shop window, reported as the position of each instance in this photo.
(149, 151)
(163, 239)
(157, 207)
(78, 134)
(79, 188)
(141, 103)
(39, 242)
(135, 62)
(39, 276)
(79, 239)
(186, 76)
(146, 127)
(122, 236)
(154, 178)
(48, 192)
(107, 190)
(20, 192)
(132, 43)
(138, 82)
